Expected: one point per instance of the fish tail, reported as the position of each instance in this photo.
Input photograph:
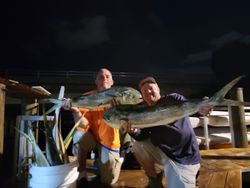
(219, 96)
(54, 101)
(57, 104)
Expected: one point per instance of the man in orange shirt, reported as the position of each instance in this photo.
(96, 134)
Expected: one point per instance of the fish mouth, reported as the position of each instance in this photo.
(140, 99)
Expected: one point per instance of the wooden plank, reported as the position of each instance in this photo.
(224, 172)
(226, 152)
(223, 179)
(132, 178)
(209, 166)
(234, 179)
(204, 179)
(2, 109)
(18, 90)
(218, 180)
(226, 157)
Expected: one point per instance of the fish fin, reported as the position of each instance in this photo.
(229, 102)
(219, 96)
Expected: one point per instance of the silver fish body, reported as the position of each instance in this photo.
(142, 116)
(108, 98)
(148, 116)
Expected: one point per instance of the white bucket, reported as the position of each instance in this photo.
(61, 176)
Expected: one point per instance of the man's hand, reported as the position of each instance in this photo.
(128, 128)
(205, 110)
(84, 122)
(66, 104)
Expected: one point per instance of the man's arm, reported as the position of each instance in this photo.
(78, 115)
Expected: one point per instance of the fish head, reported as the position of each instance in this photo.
(114, 118)
(130, 96)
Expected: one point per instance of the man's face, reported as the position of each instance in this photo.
(104, 80)
(150, 93)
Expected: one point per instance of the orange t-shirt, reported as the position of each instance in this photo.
(104, 134)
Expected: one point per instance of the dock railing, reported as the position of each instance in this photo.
(219, 118)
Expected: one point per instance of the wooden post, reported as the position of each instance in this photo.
(237, 121)
(2, 108)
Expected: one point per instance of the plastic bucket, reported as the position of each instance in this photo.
(61, 176)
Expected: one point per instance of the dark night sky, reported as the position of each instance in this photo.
(130, 36)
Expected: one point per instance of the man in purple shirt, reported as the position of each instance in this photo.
(170, 149)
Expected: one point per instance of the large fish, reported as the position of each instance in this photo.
(106, 98)
(142, 116)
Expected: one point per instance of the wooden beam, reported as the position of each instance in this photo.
(237, 121)
(2, 108)
(18, 90)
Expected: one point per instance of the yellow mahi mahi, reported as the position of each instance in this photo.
(106, 98)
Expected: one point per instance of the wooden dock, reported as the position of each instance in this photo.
(220, 168)
(223, 167)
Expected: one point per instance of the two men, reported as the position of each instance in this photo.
(172, 147)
